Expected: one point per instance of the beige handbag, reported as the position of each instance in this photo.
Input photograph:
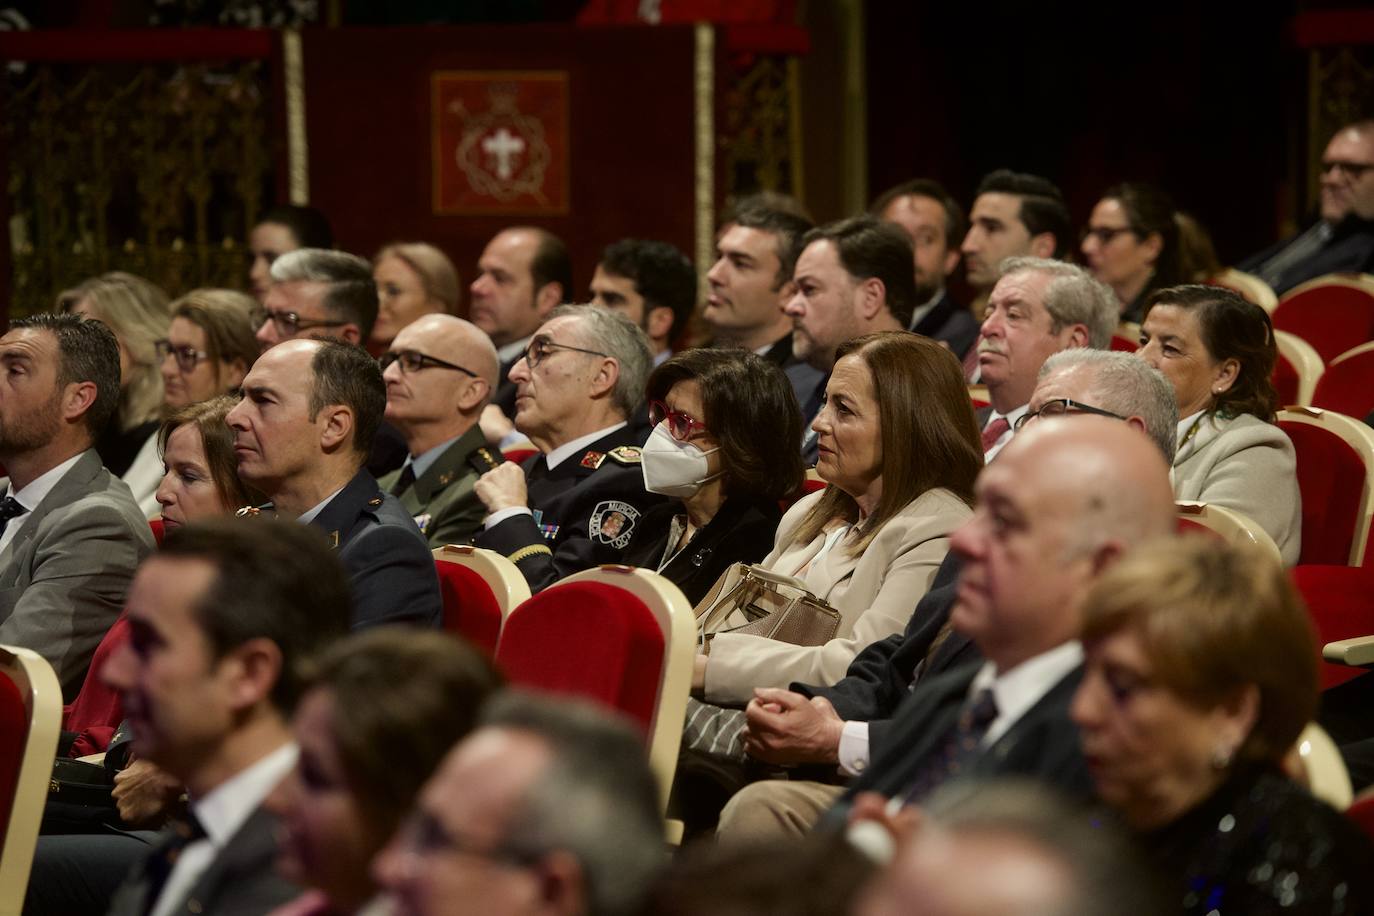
(759, 602)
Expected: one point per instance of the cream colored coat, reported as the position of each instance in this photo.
(1248, 465)
(874, 592)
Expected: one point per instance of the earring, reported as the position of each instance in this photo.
(1221, 757)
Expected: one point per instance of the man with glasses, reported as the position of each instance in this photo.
(548, 807)
(1342, 240)
(301, 434)
(576, 503)
(440, 372)
(319, 293)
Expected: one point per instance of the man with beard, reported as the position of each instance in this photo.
(71, 534)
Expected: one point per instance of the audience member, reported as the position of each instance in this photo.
(71, 534)
(654, 284)
(1038, 307)
(718, 416)
(1112, 384)
(413, 280)
(280, 230)
(207, 351)
(440, 373)
(936, 225)
(1011, 849)
(318, 293)
(522, 275)
(1131, 244)
(301, 433)
(1218, 351)
(1200, 675)
(578, 502)
(852, 278)
(137, 312)
(1066, 498)
(220, 619)
(1342, 240)
(1014, 215)
(549, 806)
(377, 714)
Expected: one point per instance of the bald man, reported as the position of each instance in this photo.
(1064, 500)
(440, 371)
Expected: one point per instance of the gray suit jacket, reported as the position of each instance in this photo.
(241, 881)
(1248, 465)
(64, 574)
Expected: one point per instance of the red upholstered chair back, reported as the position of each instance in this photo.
(158, 530)
(590, 640)
(978, 394)
(1124, 344)
(14, 726)
(1286, 381)
(1361, 811)
(1333, 455)
(30, 716)
(1332, 313)
(1340, 601)
(470, 607)
(1347, 385)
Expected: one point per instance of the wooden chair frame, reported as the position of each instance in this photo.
(1249, 286)
(37, 683)
(1233, 527)
(501, 575)
(1305, 360)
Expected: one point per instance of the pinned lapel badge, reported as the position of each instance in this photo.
(423, 522)
(593, 460)
(612, 523)
(446, 478)
(333, 539)
(248, 512)
(375, 501)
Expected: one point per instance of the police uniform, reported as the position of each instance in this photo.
(585, 511)
(390, 568)
(441, 500)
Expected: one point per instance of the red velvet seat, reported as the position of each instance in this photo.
(159, 532)
(1335, 455)
(1340, 601)
(1124, 344)
(1362, 813)
(479, 589)
(1333, 313)
(30, 715)
(1347, 385)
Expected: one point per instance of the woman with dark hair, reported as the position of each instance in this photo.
(724, 425)
(1131, 244)
(1217, 350)
(282, 229)
(378, 713)
(899, 450)
(1200, 673)
(413, 279)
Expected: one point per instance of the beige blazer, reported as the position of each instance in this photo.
(1248, 465)
(874, 592)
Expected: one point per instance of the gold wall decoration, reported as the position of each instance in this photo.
(760, 138)
(156, 170)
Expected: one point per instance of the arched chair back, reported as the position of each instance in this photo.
(1249, 286)
(1340, 603)
(1335, 474)
(978, 394)
(1297, 371)
(479, 588)
(1347, 385)
(1327, 776)
(1333, 313)
(1126, 338)
(30, 716)
(1231, 526)
(617, 635)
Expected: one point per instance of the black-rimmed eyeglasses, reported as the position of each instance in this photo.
(289, 324)
(541, 347)
(412, 361)
(186, 356)
(1061, 407)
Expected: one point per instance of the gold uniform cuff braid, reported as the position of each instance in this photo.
(533, 550)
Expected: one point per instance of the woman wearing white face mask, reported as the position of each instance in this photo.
(723, 446)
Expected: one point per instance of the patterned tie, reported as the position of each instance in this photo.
(185, 831)
(994, 432)
(959, 747)
(9, 508)
(405, 480)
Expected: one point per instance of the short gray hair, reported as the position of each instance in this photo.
(619, 338)
(352, 294)
(597, 801)
(1072, 297)
(1127, 385)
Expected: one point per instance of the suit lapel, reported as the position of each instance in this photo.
(921, 726)
(1207, 429)
(248, 850)
(72, 484)
(441, 473)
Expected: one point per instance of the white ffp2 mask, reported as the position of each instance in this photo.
(673, 468)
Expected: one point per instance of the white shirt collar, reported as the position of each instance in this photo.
(224, 808)
(565, 451)
(1003, 439)
(38, 488)
(511, 350)
(921, 311)
(425, 460)
(1017, 690)
(310, 514)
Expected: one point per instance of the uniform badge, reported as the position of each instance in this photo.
(333, 539)
(483, 460)
(612, 523)
(248, 512)
(626, 454)
(445, 479)
(422, 522)
(548, 531)
(375, 501)
(593, 460)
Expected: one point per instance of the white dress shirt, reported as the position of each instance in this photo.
(33, 494)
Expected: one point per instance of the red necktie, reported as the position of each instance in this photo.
(994, 432)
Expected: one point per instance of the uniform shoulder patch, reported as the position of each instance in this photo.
(626, 454)
(612, 523)
(593, 459)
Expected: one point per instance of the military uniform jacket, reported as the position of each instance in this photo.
(585, 511)
(389, 565)
(441, 500)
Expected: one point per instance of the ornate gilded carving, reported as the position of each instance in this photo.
(156, 170)
(759, 138)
